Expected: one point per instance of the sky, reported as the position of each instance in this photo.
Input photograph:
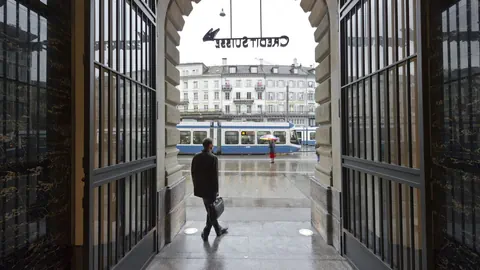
(280, 17)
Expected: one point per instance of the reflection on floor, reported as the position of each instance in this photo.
(266, 206)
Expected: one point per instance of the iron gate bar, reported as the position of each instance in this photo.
(145, 11)
(405, 175)
(425, 158)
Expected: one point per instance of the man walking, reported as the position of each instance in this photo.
(205, 185)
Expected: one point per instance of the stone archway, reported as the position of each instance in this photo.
(325, 188)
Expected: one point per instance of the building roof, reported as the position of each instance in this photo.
(261, 70)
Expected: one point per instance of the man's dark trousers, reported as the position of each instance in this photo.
(211, 217)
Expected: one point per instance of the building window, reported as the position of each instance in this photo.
(295, 71)
(195, 85)
(249, 108)
(270, 108)
(186, 72)
(205, 107)
(231, 137)
(311, 108)
(301, 84)
(270, 83)
(217, 95)
(275, 70)
(280, 96)
(217, 107)
(227, 108)
(301, 108)
(291, 83)
(249, 95)
(280, 83)
(292, 108)
(259, 108)
(237, 95)
(291, 96)
(238, 109)
(232, 70)
(227, 82)
(248, 137)
(185, 85)
(238, 83)
(195, 107)
(185, 96)
(195, 96)
(310, 84)
(311, 96)
(300, 96)
(271, 96)
(253, 69)
(199, 136)
(259, 95)
(259, 82)
(205, 95)
(216, 84)
(205, 84)
(227, 96)
(249, 83)
(185, 137)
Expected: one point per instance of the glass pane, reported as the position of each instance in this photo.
(128, 38)
(413, 115)
(360, 32)
(185, 137)
(404, 116)
(381, 33)
(368, 120)
(106, 38)
(366, 38)
(373, 33)
(128, 119)
(231, 137)
(354, 47)
(97, 116)
(260, 134)
(248, 137)
(281, 135)
(199, 136)
(113, 120)
(361, 120)
(105, 138)
(412, 28)
(390, 23)
(393, 116)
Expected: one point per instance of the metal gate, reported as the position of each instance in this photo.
(120, 188)
(382, 132)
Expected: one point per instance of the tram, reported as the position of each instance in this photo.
(237, 137)
(306, 135)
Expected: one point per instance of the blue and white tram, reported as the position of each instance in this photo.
(306, 135)
(236, 137)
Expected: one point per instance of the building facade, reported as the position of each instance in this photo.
(249, 92)
(89, 175)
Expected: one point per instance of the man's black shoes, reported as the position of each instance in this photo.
(222, 231)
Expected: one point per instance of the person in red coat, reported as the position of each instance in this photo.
(271, 146)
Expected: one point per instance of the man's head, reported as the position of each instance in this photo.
(207, 144)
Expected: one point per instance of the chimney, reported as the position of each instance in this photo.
(224, 61)
(261, 61)
(295, 62)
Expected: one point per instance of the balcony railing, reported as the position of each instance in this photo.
(243, 100)
(232, 112)
(184, 102)
(259, 87)
(226, 87)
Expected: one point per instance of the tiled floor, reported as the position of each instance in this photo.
(250, 245)
(266, 206)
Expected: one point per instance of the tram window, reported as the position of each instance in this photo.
(293, 137)
(299, 134)
(281, 135)
(231, 137)
(185, 137)
(260, 134)
(248, 137)
(199, 136)
(312, 135)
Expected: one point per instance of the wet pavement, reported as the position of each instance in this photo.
(266, 207)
